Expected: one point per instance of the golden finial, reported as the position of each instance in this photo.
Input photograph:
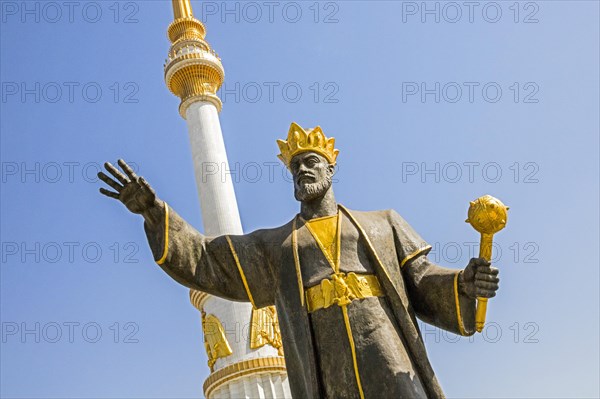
(301, 140)
(182, 9)
(193, 71)
(487, 214)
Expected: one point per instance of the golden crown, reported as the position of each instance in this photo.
(300, 140)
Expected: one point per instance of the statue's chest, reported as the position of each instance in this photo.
(315, 265)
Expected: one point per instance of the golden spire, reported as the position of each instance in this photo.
(182, 9)
(193, 71)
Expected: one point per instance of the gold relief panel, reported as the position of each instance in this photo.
(264, 329)
(215, 341)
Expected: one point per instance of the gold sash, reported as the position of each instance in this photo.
(341, 289)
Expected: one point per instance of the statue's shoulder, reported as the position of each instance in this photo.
(378, 216)
(273, 234)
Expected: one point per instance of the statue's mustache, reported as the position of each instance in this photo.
(305, 176)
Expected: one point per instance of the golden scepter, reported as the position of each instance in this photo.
(488, 216)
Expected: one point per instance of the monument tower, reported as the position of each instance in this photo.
(243, 344)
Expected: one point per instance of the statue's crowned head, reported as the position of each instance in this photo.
(310, 157)
(303, 140)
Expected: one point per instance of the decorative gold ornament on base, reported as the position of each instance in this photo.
(488, 216)
(265, 329)
(215, 341)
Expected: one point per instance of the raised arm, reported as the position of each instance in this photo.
(225, 266)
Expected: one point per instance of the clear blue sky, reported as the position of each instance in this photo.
(516, 117)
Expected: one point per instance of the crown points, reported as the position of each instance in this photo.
(301, 140)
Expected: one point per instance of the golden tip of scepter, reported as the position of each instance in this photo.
(487, 214)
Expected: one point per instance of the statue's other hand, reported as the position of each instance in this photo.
(479, 279)
(132, 190)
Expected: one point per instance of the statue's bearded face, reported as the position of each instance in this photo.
(312, 176)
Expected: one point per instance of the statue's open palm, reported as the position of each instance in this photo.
(132, 190)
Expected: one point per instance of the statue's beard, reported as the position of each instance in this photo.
(311, 191)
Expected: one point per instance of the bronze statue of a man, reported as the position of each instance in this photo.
(348, 286)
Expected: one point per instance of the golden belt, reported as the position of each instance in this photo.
(341, 289)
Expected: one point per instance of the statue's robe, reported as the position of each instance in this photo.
(262, 267)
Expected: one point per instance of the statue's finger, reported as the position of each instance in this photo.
(127, 170)
(486, 285)
(145, 184)
(109, 193)
(486, 277)
(479, 262)
(482, 262)
(116, 173)
(484, 269)
(482, 293)
(116, 186)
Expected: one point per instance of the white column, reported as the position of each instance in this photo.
(220, 215)
(219, 207)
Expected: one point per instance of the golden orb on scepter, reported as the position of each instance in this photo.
(487, 214)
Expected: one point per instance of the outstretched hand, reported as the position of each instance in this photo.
(132, 190)
(479, 279)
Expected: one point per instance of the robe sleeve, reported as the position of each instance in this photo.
(432, 290)
(231, 267)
